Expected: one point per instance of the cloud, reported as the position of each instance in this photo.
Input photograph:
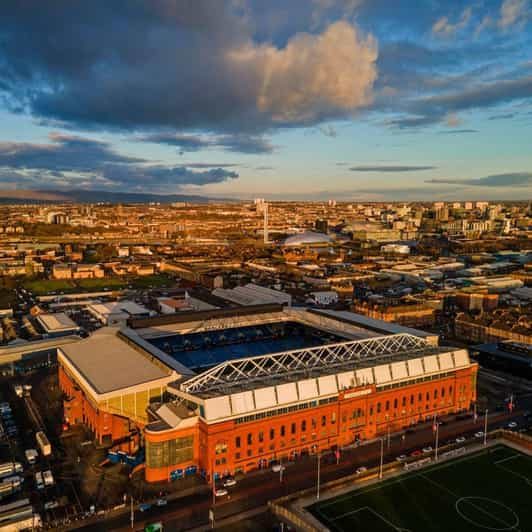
(239, 143)
(443, 28)
(390, 168)
(516, 179)
(73, 161)
(457, 131)
(512, 12)
(329, 131)
(264, 168)
(435, 108)
(186, 65)
(501, 116)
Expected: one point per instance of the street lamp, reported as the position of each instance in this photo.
(382, 458)
(318, 480)
(486, 427)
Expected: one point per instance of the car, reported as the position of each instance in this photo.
(360, 470)
(401, 458)
(427, 450)
(460, 439)
(221, 492)
(161, 502)
(277, 468)
(144, 507)
(479, 434)
(416, 453)
(51, 504)
(229, 482)
(512, 425)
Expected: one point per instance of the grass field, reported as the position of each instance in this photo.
(489, 490)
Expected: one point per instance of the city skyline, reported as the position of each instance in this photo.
(352, 100)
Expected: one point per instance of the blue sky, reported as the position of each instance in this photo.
(311, 99)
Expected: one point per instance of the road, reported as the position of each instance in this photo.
(255, 490)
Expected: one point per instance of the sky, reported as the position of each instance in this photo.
(353, 100)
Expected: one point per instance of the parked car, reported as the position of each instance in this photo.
(427, 450)
(144, 507)
(360, 470)
(401, 458)
(512, 425)
(460, 439)
(221, 492)
(416, 453)
(229, 482)
(277, 468)
(479, 434)
(161, 502)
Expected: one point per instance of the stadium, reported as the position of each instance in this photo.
(229, 391)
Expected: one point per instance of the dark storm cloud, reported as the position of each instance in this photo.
(238, 142)
(183, 64)
(389, 168)
(516, 179)
(74, 161)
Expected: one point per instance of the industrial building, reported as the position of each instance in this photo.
(227, 391)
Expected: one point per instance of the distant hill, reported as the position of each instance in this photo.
(96, 196)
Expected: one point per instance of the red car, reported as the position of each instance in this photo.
(416, 453)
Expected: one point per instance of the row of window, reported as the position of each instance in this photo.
(418, 380)
(435, 393)
(284, 410)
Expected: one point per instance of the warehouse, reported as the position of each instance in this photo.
(245, 387)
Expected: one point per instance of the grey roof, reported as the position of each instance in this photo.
(109, 363)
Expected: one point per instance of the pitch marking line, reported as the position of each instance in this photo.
(374, 512)
(508, 526)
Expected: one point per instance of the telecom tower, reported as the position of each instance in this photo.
(265, 223)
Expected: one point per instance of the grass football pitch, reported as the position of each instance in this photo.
(488, 490)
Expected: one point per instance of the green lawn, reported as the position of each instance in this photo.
(490, 490)
(44, 287)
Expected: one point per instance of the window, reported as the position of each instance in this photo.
(371, 410)
(378, 408)
(303, 426)
(427, 396)
(282, 431)
(404, 400)
(249, 452)
(261, 436)
(387, 405)
(450, 390)
(220, 448)
(443, 392)
(419, 397)
(435, 394)
(237, 456)
(237, 442)
(333, 417)
(293, 429)
(272, 434)
(395, 403)
(169, 452)
(323, 421)
(314, 423)
(250, 438)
